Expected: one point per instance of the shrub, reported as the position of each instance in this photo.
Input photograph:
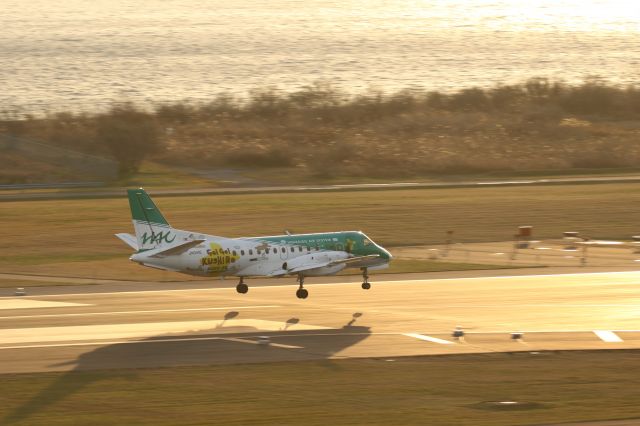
(130, 135)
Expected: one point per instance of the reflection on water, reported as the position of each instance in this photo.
(87, 54)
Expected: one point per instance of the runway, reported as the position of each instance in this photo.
(10, 193)
(403, 317)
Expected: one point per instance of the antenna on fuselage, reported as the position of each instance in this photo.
(286, 231)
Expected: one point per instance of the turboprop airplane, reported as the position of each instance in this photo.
(158, 245)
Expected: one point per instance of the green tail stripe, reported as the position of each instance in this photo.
(142, 207)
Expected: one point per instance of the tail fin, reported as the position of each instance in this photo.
(152, 229)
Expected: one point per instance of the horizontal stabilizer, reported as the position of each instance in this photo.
(130, 240)
(177, 249)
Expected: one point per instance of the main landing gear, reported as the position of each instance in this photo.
(366, 285)
(242, 288)
(301, 293)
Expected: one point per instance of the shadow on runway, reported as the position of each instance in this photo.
(229, 315)
(120, 359)
(290, 322)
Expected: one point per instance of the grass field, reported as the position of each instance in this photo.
(446, 390)
(75, 237)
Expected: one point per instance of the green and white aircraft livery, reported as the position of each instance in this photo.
(158, 245)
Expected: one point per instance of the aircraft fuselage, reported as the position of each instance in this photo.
(270, 256)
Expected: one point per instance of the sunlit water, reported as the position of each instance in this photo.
(82, 54)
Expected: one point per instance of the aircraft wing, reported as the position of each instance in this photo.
(130, 240)
(354, 259)
(177, 249)
(315, 265)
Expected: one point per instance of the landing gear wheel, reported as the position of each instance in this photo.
(365, 276)
(242, 288)
(301, 293)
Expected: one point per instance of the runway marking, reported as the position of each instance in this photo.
(86, 314)
(428, 338)
(250, 339)
(631, 274)
(608, 336)
(129, 342)
(142, 330)
(526, 331)
(254, 342)
(14, 303)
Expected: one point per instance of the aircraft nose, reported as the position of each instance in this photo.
(386, 254)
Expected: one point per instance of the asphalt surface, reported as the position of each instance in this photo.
(109, 193)
(93, 328)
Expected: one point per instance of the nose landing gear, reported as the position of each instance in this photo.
(366, 285)
(301, 293)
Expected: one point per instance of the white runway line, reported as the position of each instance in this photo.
(254, 342)
(31, 304)
(153, 311)
(428, 338)
(608, 336)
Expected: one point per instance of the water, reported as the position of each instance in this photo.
(84, 55)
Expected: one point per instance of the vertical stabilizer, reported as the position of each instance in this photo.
(152, 229)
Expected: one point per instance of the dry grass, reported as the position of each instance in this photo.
(321, 134)
(75, 237)
(445, 390)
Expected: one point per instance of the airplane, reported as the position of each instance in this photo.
(159, 245)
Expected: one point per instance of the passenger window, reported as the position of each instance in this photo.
(283, 249)
(308, 248)
(267, 250)
(300, 249)
(251, 252)
(293, 249)
(234, 253)
(241, 252)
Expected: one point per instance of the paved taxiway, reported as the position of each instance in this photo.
(12, 195)
(87, 330)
